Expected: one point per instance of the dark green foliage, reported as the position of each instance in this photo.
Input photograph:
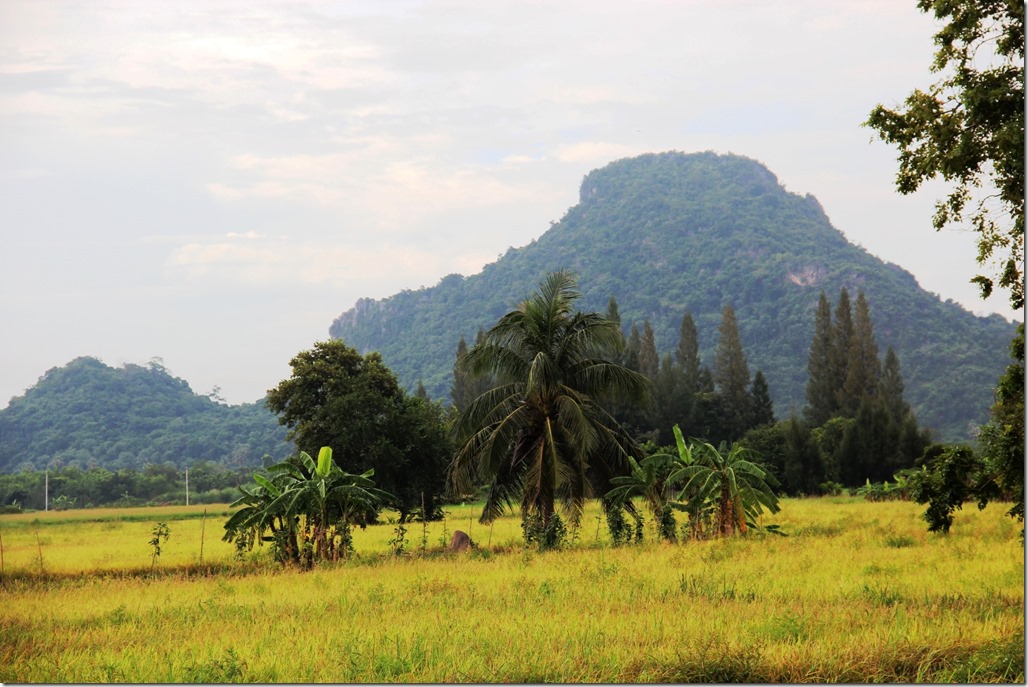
(671, 234)
(968, 128)
(542, 436)
(87, 414)
(732, 376)
(649, 360)
(821, 402)
(945, 482)
(353, 403)
(842, 338)
(1002, 439)
(460, 389)
(617, 525)
(862, 366)
(762, 411)
(546, 535)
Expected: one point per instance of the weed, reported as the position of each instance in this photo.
(228, 668)
(709, 587)
(399, 541)
(880, 596)
(900, 541)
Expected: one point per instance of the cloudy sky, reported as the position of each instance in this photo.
(212, 183)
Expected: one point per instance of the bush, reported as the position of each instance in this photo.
(552, 536)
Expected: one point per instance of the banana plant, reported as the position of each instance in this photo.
(307, 505)
(739, 488)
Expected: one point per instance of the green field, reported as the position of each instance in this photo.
(858, 592)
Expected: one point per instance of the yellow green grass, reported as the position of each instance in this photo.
(858, 592)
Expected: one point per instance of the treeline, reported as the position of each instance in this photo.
(87, 414)
(855, 427)
(156, 484)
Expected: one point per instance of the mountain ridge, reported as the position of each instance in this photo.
(669, 233)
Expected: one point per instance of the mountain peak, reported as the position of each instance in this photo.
(670, 233)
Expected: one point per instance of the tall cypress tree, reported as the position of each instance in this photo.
(671, 403)
(688, 354)
(460, 390)
(649, 360)
(842, 334)
(890, 386)
(821, 403)
(763, 412)
(732, 375)
(613, 314)
(862, 367)
(484, 382)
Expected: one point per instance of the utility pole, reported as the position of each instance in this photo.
(187, 486)
(46, 491)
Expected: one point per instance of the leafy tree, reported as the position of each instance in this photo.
(337, 397)
(968, 128)
(740, 488)
(541, 436)
(1002, 439)
(945, 482)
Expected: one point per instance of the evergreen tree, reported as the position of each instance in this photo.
(649, 360)
(484, 381)
(688, 354)
(671, 403)
(732, 376)
(460, 390)
(821, 404)
(421, 392)
(862, 367)
(890, 386)
(633, 349)
(763, 412)
(842, 334)
(613, 314)
(803, 469)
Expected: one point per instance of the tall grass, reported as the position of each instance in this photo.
(835, 601)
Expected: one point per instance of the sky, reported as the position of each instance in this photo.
(213, 183)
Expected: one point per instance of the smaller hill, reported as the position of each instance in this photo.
(90, 414)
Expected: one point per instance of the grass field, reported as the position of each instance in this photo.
(858, 592)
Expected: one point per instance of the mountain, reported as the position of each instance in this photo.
(672, 233)
(87, 413)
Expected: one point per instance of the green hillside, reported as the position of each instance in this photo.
(672, 233)
(87, 413)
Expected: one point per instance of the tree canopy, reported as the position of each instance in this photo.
(968, 128)
(541, 436)
(352, 403)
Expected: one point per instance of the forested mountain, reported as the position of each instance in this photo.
(87, 413)
(672, 233)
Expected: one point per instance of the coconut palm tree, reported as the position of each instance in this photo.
(540, 435)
